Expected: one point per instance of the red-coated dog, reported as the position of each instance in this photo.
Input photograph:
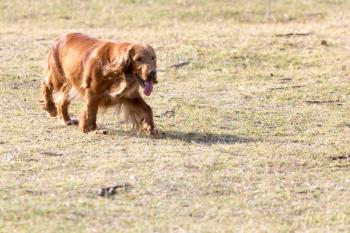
(104, 74)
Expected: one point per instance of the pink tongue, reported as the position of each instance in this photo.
(148, 87)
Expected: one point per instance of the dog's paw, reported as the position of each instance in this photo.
(152, 132)
(72, 122)
(155, 132)
(87, 128)
(51, 112)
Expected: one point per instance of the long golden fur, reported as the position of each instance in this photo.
(102, 73)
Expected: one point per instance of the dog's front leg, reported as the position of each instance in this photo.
(141, 114)
(88, 117)
(147, 124)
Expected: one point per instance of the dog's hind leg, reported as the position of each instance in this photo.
(62, 105)
(46, 93)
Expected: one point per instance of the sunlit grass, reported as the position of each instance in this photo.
(255, 129)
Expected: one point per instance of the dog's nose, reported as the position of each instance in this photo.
(152, 74)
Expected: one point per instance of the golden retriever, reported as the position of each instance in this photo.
(103, 73)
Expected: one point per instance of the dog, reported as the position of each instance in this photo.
(104, 74)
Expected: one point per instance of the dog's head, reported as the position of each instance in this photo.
(140, 60)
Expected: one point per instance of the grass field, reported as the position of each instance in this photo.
(255, 129)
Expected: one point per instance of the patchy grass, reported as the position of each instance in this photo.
(256, 129)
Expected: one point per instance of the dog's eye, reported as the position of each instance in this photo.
(139, 59)
(153, 58)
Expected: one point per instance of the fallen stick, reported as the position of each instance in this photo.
(282, 88)
(48, 153)
(293, 34)
(178, 65)
(110, 191)
(321, 101)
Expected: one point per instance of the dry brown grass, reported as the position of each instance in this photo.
(256, 128)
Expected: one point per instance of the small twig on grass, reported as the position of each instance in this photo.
(48, 153)
(283, 88)
(315, 14)
(293, 34)
(340, 157)
(178, 65)
(110, 191)
(167, 114)
(321, 101)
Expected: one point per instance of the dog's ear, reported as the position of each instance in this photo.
(112, 69)
(119, 65)
(125, 59)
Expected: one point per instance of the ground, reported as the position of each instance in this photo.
(255, 129)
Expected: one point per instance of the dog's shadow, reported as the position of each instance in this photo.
(205, 138)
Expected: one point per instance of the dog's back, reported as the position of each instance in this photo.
(67, 56)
